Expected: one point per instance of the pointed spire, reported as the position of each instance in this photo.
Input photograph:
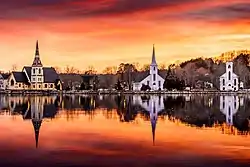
(37, 62)
(36, 125)
(153, 56)
(37, 49)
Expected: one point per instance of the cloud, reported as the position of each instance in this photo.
(240, 11)
(60, 9)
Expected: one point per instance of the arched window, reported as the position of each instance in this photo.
(235, 81)
(154, 77)
(34, 70)
(39, 71)
(154, 68)
(229, 66)
(229, 75)
(223, 82)
(12, 82)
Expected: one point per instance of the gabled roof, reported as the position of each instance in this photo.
(50, 74)
(20, 77)
(5, 76)
(139, 76)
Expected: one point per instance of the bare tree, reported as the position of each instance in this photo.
(110, 70)
(14, 67)
(145, 67)
(91, 70)
(58, 69)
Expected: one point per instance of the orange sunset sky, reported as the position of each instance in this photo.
(104, 33)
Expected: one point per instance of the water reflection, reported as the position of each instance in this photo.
(230, 114)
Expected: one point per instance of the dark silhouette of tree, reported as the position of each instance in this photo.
(118, 85)
(172, 81)
(145, 87)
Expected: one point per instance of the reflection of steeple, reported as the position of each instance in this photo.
(36, 125)
(37, 108)
(153, 120)
(153, 105)
(153, 125)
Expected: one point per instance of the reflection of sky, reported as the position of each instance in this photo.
(114, 143)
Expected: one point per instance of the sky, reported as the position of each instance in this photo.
(101, 33)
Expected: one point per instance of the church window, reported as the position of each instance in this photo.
(20, 85)
(154, 68)
(45, 85)
(229, 110)
(148, 82)
(39, 71)
(153, 83)
(51, 85)
(229, 75)
(12, 82)
(39, 86)
(154, 77)
(34, 71)
(235, 82)
(223, 104)
(223, 82)
(159, 83)
(223, 88)
(229, 66)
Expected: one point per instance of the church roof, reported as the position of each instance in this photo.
(50, 74)
(20, 77)
(5, 76)
(139, 76)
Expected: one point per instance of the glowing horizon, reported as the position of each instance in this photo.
(105, 33)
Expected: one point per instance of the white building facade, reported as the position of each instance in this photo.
(153, 80)
(229, 81)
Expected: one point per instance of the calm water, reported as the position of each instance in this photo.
(124, 131)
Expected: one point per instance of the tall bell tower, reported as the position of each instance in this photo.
(37, 76)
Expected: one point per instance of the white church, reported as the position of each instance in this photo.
(153, 79)
(229, 81)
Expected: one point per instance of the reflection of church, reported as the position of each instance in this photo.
(152, 104)
(229, 106)
(35, 108)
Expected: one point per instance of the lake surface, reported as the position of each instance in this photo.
(125, 131)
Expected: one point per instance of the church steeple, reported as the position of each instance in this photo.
(153, 56)
(37, 62)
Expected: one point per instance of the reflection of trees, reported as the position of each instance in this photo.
(125, 110)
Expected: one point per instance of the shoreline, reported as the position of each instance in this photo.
(196, 92)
